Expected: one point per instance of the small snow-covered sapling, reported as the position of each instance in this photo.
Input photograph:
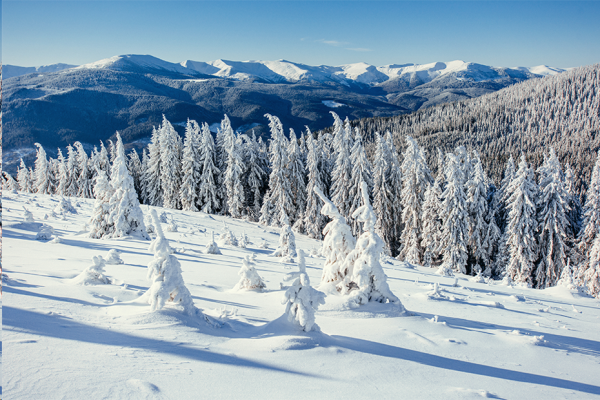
(211, 247)
(27, 215)
(250, 279)
(301, 299)
(113, 257)
(45, 233)
(94, 274)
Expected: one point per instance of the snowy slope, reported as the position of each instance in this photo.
(474, 340)
(9, 71)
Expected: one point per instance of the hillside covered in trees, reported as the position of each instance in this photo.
(562, 111)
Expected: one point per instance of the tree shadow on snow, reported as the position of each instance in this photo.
(15, 319)
(561, 342)
(384, 350)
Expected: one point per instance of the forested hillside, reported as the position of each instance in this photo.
(562, 111)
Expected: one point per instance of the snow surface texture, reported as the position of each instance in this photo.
(100, 341)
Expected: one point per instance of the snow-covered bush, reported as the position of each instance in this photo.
(227, 237)
(250, 279)
(94, 274)
(337, 244)
(164, 271)
(27, 215)
(172, 226)
(367, 282)
(113, 257)
(45, 233)
(301, 299)
(287, 241)
(211, 247)
(64, 207)
(244, 241)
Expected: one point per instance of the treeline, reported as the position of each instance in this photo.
(528, 230)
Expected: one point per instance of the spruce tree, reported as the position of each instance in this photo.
(236, 197)
(366, 280)
(136, 171)
(337, 244)
(278, 199)
(42, 172)
(73, 172)
(522, 225)
(100, 225)
(295, 169)
(207, 192)
(191, 169)
(395, 184)
(416, 178)
(382, 197)
(455, 226)
(152, 174)
(476, 187)
(431, 221)
(313, 221)
(342, 170)
(84, 182)
(63, 175)
(552, 223)
(24, 178)
(125, 212)
(255, 177)
(170, 161)
(361, 172)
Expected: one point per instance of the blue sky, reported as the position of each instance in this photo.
(499, 33)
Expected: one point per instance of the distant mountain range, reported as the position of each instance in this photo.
(60, 103)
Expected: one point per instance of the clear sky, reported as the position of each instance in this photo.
(498, 33)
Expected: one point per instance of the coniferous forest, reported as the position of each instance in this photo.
(505, 186)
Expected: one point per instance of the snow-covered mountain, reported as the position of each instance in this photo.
(10, 71)
(283, 71)
(59, 104)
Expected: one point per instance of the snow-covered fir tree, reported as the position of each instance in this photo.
(207, 191)
(361, 172)
(504, 194)
(367, 281)
(590, 277)
(191, 169)
(341, 175)
(552, 223)
(125, 212)
(295, 170)
(416, 177)
(84, 181)
(522, 225)
(278, 200)
(591, 221)
(102, 159)
(301, 299)
(382, 200)
(313, 221)
(477, 203)
(395, 185)
(152, 174)
(170, 161)
(431, 221)
(287, 240)
(249, 277)
(71, 188)
(41, 183)
(134, 165)
(456, 218)
(337, 244)
(235, 194)
(24, 178)
(143, 189)
(164, 271)
(574, 205)
(100, 225)
(255, 177)
(63, 175)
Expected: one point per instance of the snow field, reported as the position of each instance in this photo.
(70, 341)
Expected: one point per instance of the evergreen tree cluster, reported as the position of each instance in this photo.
(525, 231)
